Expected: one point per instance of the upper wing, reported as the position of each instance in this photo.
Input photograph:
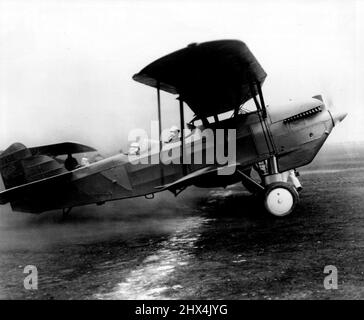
(211, 77)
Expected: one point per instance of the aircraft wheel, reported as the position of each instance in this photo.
(280, 198)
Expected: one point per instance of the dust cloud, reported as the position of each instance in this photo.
(126, 219)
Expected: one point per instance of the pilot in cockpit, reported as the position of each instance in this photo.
(173, 135)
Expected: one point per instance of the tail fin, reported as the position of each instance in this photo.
(19, 166)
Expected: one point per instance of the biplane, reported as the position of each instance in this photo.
(213, 79)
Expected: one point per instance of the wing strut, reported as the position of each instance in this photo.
(262, 104)
(160, 128)
(182, 119)
(272, 163)
(263, 111)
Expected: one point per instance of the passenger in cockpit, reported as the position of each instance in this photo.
(70, 163)
(134, 149)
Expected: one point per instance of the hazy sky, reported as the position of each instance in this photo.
(66, 66)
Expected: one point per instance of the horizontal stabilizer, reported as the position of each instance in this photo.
(61, 149)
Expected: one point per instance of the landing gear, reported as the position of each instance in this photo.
(278, 191)
(280, 198)
(66, 212)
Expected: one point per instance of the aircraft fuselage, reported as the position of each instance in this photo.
(298, 132)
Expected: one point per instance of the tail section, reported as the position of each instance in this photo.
(19, 166)
(36, 181)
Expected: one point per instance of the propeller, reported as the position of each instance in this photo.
(328, 100)
(337, 116)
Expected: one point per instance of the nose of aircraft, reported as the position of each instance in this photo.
(338, 117)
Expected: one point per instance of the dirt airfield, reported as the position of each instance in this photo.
(204, 244)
